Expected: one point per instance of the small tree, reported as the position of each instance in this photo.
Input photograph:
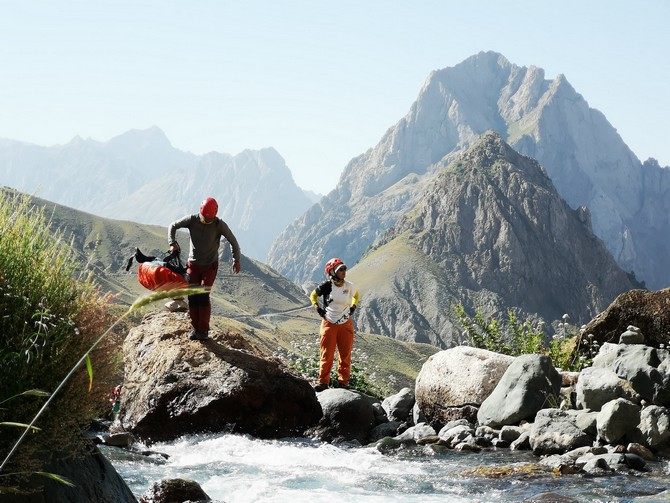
(515, 337)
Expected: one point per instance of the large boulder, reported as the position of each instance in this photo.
(347, 416)
(529, 384)
(648, 311)
(654, 427)
(453, 383)
(597, 386)
(556, 431)
(647, 369)
(174, 386)
(616, 419)
(94, 478)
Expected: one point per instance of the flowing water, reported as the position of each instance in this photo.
(237, 468)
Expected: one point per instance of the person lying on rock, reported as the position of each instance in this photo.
(337, 328)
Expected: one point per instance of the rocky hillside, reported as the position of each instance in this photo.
(581, 152)
(139, 176)
(491, 232)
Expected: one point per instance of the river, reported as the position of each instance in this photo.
(237, 468)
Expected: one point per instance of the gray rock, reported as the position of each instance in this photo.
(173, 386)
(388, 429)
(94, 477)
(485, 431)
(596, 465)
(529, 384)
(175, 490)
(399, 407)
(555, 431)
(510, 433)
(616, 419)
(631, 337)
(119, 439)
(417, 414)
(347, 415)
(456, 434)
(380, 413)
(522, 443)
(587, 422)
(417, 432)
(597, 386)
(654, 426)
(645, 368)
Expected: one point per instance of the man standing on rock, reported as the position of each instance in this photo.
(205, 231)
(337, 328)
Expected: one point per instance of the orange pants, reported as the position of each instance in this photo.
(342, 337)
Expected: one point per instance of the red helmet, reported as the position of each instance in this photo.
(209, 208)
(332, 265)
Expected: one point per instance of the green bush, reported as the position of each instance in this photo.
(515, 338)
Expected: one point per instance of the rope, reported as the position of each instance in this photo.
(270, 315)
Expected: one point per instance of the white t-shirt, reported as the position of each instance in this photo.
(342, 298)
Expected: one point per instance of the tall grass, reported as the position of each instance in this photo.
(53, 319)
(50, 312)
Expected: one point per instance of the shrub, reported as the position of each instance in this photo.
(514, 337)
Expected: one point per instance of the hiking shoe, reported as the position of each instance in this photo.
(342, 385)
(320, 387)
(198, 335)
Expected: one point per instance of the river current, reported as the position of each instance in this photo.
(237, 468)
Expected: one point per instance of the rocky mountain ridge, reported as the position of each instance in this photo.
(491, 233)
(139, 176)
(581, 152)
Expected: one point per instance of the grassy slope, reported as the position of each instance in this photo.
(385, 357)
(239, 301)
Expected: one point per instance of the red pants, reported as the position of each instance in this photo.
(199, 306)
(342, 337)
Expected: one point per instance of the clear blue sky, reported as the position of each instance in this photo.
(320, 81)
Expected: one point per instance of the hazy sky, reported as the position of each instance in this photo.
(320, 81)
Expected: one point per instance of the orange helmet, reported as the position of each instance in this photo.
(209, 208)
(332, 265)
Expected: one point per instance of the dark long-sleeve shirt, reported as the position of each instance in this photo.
(204, 239)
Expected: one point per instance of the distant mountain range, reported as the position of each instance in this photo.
(586, 159)
(139, 176)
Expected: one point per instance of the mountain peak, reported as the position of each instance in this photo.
(491, 233)
(135, 139)
(491, 150)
